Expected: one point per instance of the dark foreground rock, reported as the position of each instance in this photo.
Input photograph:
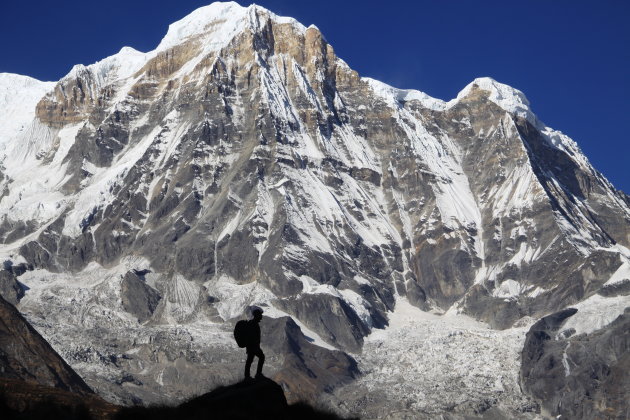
(578, 377)
(253, 399)
(258, 399)
(26, 400)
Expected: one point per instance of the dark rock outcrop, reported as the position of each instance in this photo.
(621, 288)
(578, 377)
(10, 288)
(138, 298)
(331, 316)
(260, 399)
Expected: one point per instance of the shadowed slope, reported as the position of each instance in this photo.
(26, 400)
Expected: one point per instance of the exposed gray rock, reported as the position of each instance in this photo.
(10, 288)
(306, 369)
(621, 288)
(329, 315)
(578, 377)
(138, 298)
(12, 231)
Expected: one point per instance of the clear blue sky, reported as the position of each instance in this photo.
(570, 57)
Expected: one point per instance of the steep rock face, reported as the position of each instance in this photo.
(242, 162)
(10, 289)
(582, 376)
(25, 355)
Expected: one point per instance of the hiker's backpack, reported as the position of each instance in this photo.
(242, 333)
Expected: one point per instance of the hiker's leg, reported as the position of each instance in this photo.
(261, 361)
(248, 363)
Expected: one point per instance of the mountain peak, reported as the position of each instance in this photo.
(510, 99)
(200, 20)
(115, 67)
(218, 23)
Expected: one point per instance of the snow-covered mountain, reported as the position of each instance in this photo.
(155, 196)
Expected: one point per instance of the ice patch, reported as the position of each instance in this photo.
(18, 97)
(508, 289)
(234, 298)
(622, 274)
(180, 299)
(596, 312)
(565, 360)
(359, 305)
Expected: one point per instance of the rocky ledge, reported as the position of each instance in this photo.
(258, 399)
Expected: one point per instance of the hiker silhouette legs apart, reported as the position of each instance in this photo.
(251, 352)
(248, 364)
(261, 361)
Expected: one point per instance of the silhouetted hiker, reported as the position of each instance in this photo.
(252, 344)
